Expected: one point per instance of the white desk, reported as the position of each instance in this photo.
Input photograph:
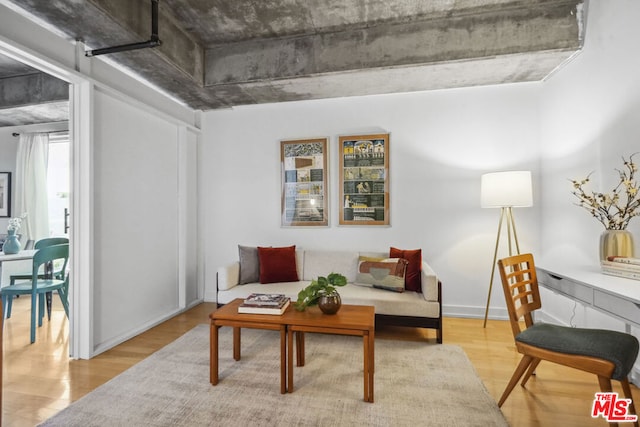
(616, 296)
(25, 254)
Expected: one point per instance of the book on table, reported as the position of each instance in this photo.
(624, 260)
(264, 300)
(264, 309)
(622, 267)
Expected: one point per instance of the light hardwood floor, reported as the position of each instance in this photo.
(40, 380)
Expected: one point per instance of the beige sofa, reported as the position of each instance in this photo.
(408, 308)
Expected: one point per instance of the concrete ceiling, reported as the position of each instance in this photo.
(222, 53)
(28, 96)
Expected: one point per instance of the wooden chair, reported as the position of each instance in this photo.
(37, 287)
(608, 354)
(58, 273)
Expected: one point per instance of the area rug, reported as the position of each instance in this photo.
(416, 383)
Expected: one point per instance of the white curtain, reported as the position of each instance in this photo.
(31, 185)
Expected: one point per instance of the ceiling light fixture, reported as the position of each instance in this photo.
(154, 41)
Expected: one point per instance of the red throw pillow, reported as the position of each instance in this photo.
(413, 277)
(278, 264)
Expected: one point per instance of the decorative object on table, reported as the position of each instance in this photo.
(614, 210)
(330, 304)
(322, 287)
(5, 194)
(264, 304)
(12, 243)
(621, 267)
(264, 300)
(304, 182)
(505, 190)
(364, 179)
(616, 243)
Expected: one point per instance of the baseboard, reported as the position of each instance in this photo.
(109, 344)
(210, 296)
(474, 312)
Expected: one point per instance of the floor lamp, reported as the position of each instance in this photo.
(505, 190)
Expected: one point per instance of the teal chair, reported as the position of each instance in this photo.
(58, 274)
(37, 287)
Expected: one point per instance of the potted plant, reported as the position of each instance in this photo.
(322, 292)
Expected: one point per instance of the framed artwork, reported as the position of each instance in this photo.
(5, 194)
(364, 179)
(304, 182)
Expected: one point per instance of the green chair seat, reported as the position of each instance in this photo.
(619, 348)
(22, 288)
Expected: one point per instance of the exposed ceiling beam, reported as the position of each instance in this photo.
(461, 43)
(29, 89)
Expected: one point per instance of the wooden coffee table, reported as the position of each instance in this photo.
(358, 320)
(355, 320)
(228, 315)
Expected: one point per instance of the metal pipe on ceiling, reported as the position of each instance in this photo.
(153, 41)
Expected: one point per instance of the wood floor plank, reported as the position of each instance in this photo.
(40, 380)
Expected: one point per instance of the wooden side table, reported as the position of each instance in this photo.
(228, 316)
(354, 320)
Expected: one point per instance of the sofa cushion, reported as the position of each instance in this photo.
(412, 279)
(383, 273)
(390, 303)
(278, 264)
(249, 264)
(322, 263)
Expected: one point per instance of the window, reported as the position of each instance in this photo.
(58, 182)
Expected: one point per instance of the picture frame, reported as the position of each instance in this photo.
(364, 180)
(304, 171)
(5, 194)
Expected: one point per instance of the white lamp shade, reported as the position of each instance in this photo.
(506, 189)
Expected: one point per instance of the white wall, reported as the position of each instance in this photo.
(440, 144)
(8, 150)
(134, 192)
(136, 214)
(590, 117)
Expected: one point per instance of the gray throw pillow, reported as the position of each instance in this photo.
(249, 264)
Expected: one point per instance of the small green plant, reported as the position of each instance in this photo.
(310, 295)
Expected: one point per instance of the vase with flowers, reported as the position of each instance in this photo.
(614, 210)
(12, 244)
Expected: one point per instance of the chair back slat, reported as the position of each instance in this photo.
(48, 254)
(50, 241)
(520, 286)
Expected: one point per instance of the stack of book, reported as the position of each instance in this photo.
(264, 304)
(622, 267)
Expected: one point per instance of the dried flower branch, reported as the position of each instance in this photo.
(614, 210)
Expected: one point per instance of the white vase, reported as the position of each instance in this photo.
(616, 243)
